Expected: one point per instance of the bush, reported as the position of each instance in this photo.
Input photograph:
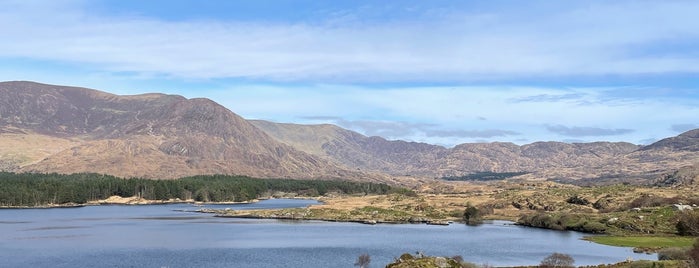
(557, 260)
(577, 200)
(643, 264)
(406, 256)
(563, 221)
(593, 227)
(688, 223)
(472, 215)
(541, 220)
(693, 254)
(604, 204)
(648, 200)
(403, 192)
(672, 254)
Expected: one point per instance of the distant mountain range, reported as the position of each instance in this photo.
(48, 128)
(597, 161)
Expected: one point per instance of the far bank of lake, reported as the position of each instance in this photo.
(174, 236)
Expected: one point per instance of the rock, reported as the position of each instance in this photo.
(441, 262)
(680, 207)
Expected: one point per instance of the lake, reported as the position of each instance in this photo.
(161, 236)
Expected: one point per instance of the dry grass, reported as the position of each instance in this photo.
(509, 201)
(27, 149)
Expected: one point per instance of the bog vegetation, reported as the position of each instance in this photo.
(31, 189)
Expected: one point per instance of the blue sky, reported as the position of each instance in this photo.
(442, 72)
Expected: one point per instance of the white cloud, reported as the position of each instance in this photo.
(575, 40)
(595, 38)
(452, 115)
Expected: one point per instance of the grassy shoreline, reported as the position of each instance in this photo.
(649, 242)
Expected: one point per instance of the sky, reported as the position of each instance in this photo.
(441, 72)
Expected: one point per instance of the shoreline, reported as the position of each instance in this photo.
(314, 212)
(131, 201)
(47, 206)
(318, 212)
(136, 201)
(370, 222)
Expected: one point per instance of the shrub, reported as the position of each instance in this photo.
(693, 254)
(406, 256)
(643, 264)
(472, 215)
(403, 192)
(557, 260)
(603, 204)
(648, 200)
(672, 254)
(577, 200)
(593, 227)
(541, 220)
(688, 223)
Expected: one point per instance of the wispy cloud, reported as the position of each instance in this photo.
(487, 133)
(453, 115)
(321, 117)
(401, 130)
(586, 38)
(587, 131)
(550, 97)
(683, 127)
(477, 68)
(388, 129)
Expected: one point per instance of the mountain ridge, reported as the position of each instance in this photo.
(157, 135)
(436, 161)
(150, 135)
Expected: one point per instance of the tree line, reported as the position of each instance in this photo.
(485, 176)
(36, 189)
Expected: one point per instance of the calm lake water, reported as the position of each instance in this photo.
(159, 236)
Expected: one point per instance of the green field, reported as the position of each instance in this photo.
(643, 241)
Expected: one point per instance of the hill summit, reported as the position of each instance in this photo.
(151, 135)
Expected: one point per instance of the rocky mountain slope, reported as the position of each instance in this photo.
(151, 135)
(358, 151)
(606, 161)
(47, 128)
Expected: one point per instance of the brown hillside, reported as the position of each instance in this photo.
(48, 128)
(151, 135)
(603, 161)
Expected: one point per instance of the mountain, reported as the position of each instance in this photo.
(48, 128)
(596, 161)
(357, 151)
(687, 141)
(149, 135)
